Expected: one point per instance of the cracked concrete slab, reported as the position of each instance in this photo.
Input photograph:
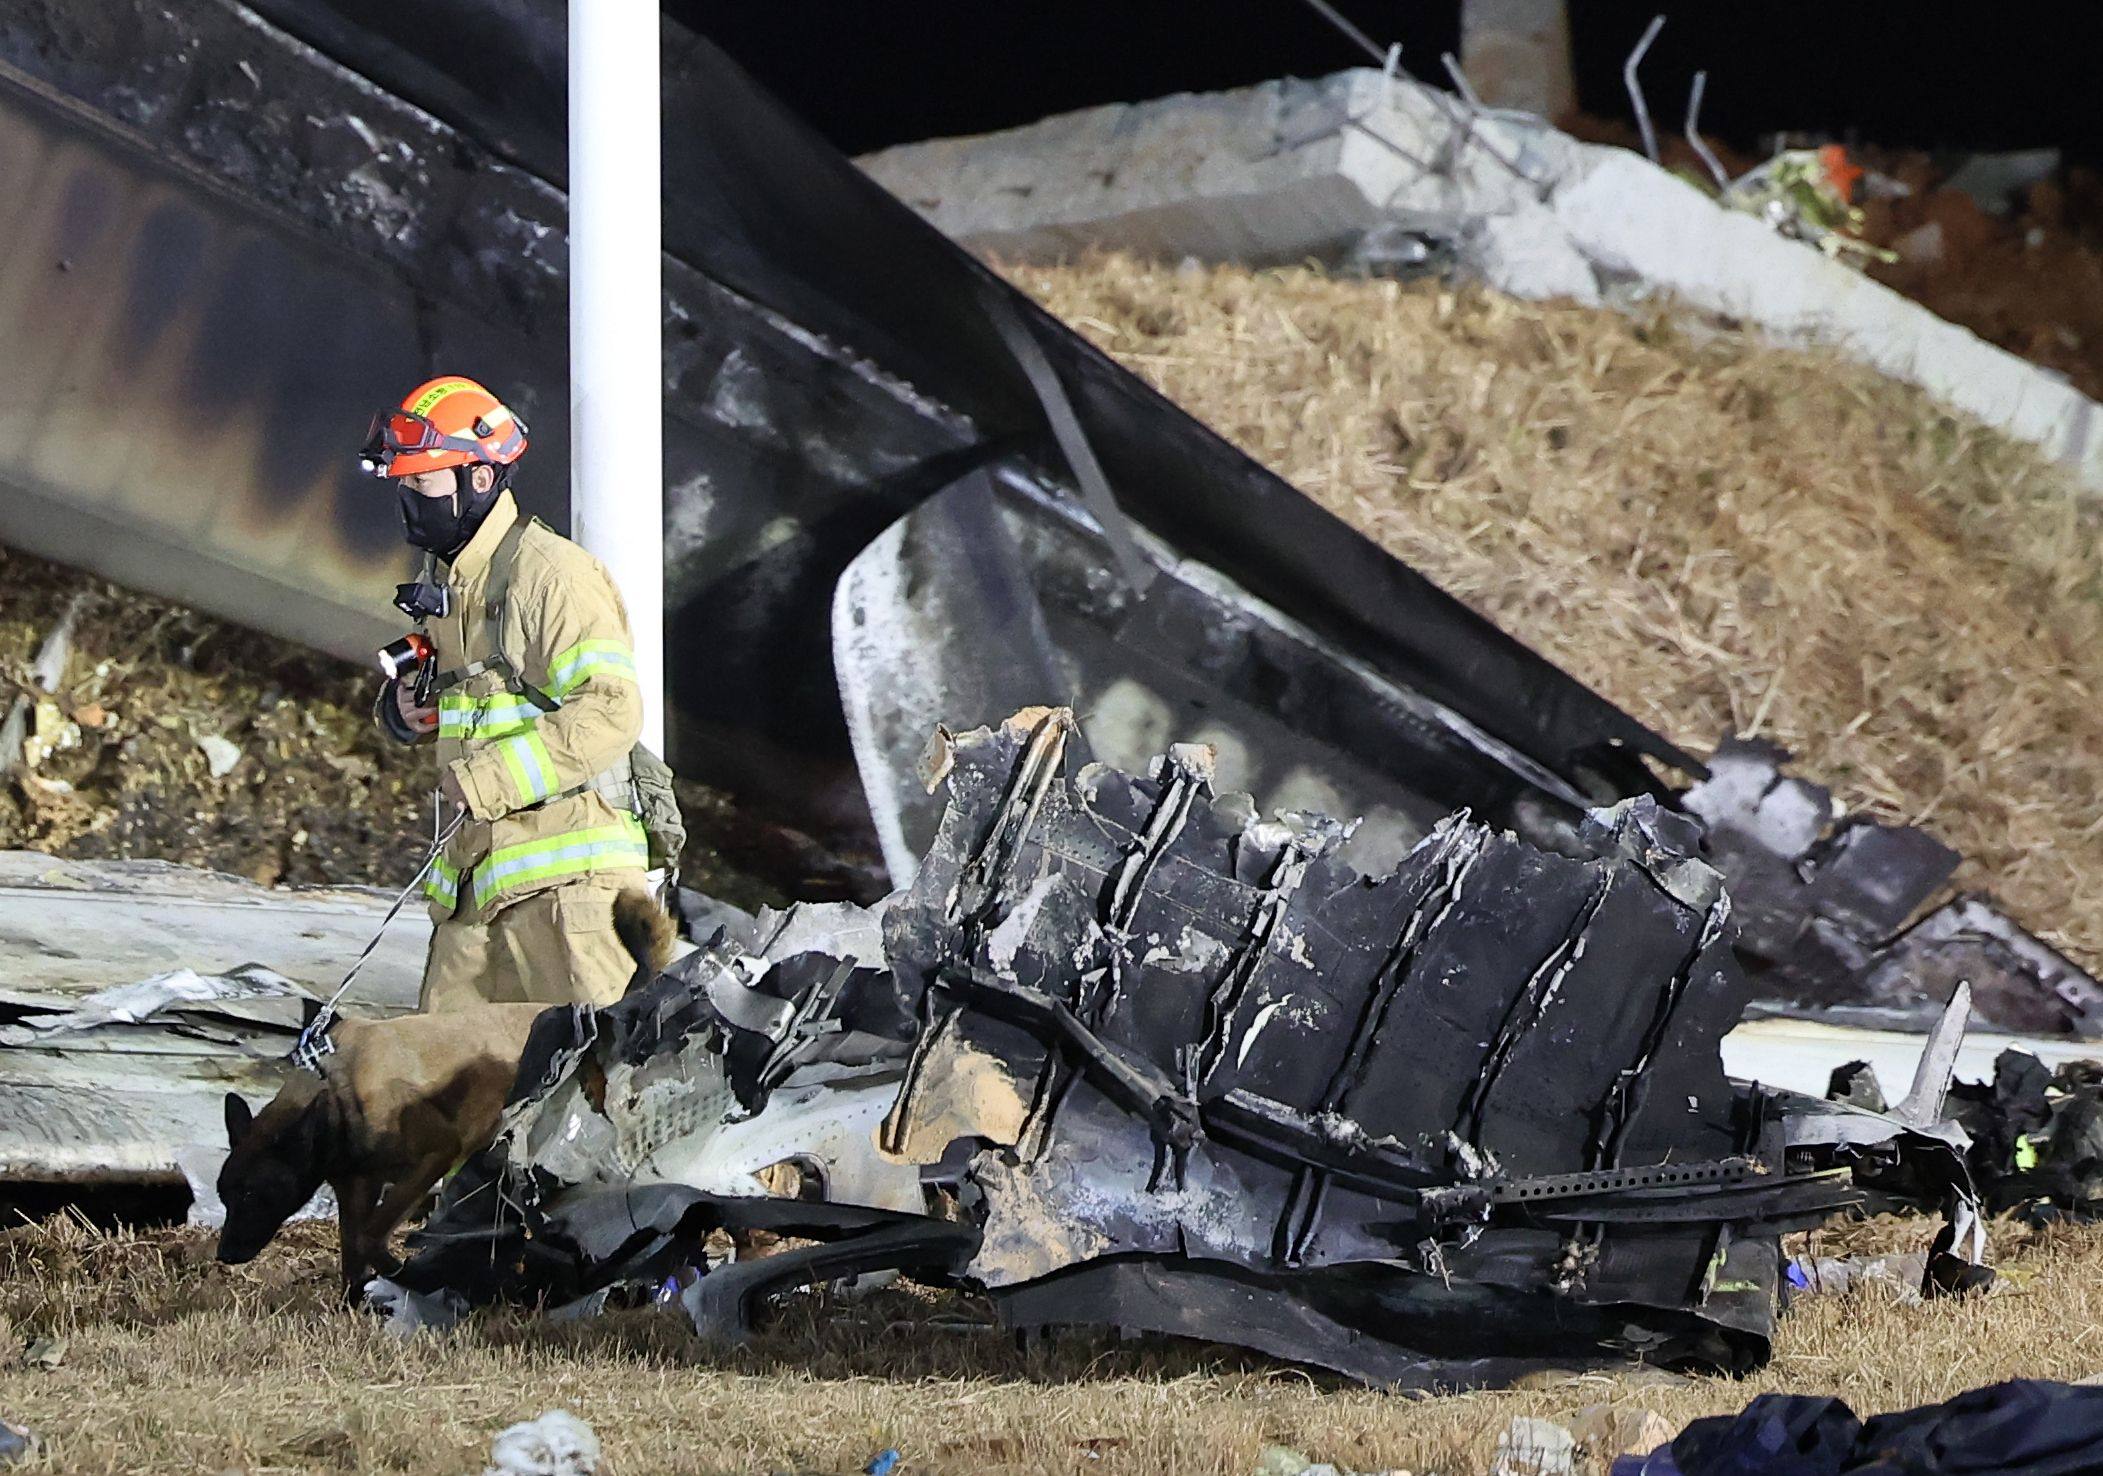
(1292, 170)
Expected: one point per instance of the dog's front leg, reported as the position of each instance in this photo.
(355, 1194)
(400, 1197)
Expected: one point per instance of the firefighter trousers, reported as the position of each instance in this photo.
(554, 947)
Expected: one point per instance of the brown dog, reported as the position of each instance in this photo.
(400, 1103)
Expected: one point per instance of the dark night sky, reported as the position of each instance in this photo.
(1899, 72)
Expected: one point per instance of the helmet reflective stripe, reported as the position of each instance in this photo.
(437, 392)
(444, 422)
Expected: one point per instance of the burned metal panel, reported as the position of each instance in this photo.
(2019, 983)
(1572, 1038)
(110, 1066)
(1830, 911)
(1003, 555)
(70, 928)
(161, 424)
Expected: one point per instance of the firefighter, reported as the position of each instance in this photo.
(528, 692)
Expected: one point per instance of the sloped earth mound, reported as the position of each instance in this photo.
(1719, 535)
(313, 793)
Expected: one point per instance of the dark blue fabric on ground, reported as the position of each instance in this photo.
(2027, 1427)
(1775, 1435)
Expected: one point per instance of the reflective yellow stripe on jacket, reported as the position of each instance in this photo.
(587, 659)
(442, 882)
(485, 718)
(621, 846)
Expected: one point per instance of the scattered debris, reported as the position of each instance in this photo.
(1903, 1273)
(108, 1084)
(1535, 1447)
(1809, 195)
(1605, 1432)
(1856, 1084)
(2000, 182)
(237, 994)
(883, 1463)
(1126, 1054)
(16, 1443)
(2026, 1427)
(556, 1444)
(411, 1312)
(19, 742)
(2037, 1136)
(49, 732)
(1282, 1460)
(220, 755)
(1826, 907)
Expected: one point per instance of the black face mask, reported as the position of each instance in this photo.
(444, 525)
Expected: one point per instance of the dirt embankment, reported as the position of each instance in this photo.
(183, 738)
(2030, 281)
(178, 737)
(1719, 535)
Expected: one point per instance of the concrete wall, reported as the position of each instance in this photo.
(1354, 166)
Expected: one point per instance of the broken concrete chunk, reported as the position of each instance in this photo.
(1535, 1447)
(556, 1444)
(220, 755)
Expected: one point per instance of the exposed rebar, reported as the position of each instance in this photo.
(1635, 88)
(1338, 19)
(1699, 144)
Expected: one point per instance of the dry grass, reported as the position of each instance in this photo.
(1717, 535)
(175, 1363)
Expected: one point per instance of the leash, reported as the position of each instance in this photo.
(314, 1044)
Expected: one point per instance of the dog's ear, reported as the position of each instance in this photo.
(238, 1119)
(309, 1012)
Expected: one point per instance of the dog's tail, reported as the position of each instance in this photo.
(645, 930)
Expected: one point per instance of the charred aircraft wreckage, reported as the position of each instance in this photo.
(1126, 1053)
(1409, 1098)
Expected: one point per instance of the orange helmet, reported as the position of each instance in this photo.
(448, 421)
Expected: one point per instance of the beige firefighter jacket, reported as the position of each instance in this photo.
(534, 821)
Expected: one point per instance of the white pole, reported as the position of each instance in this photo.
(616, 321)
